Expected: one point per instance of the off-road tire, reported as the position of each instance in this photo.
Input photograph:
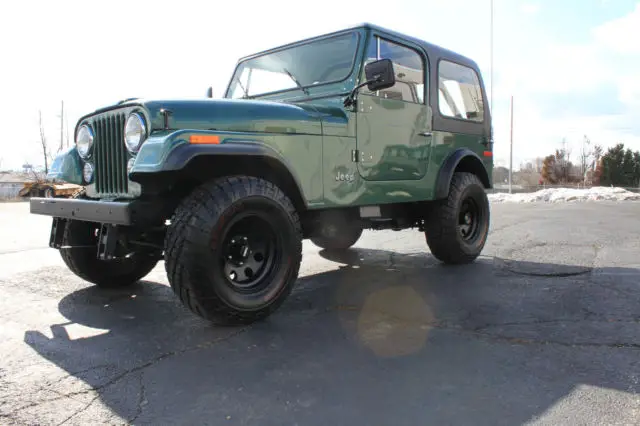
(196, 240)
(83, 261)
(441, 228)
(344, 240)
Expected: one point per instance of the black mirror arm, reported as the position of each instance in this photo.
(350, 100)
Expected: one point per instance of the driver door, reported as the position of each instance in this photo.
(394, 125)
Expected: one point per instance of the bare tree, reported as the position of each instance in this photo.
(67, 124)
(597, 154)
(566, 158)
(585, 156)
(43, 143)
(527, 175)
(538, 163)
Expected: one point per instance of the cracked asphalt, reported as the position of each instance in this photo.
(543, 329)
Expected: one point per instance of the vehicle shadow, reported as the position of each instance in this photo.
(385, 338)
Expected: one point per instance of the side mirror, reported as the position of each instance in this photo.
(210, 92)
(380, 74)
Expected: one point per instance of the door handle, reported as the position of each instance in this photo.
(427, 134)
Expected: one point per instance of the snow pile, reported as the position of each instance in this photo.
(560, 195)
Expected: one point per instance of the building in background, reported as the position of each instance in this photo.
(11, 183)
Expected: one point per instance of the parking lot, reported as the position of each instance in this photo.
(543, 329)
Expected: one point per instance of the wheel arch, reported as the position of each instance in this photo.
(460, 160)
(190, 165)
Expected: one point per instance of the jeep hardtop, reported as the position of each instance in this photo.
(321, 139)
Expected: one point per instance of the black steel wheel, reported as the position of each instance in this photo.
(249, 252)
(469, 219)
(456, 229)
(233, 250)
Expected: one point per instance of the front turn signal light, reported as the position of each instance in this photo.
(204, 139)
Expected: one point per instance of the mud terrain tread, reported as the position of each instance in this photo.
(192, 220)
(441, 232)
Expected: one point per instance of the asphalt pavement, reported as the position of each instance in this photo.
(543, 329)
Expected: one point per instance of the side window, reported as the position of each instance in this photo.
(459, 93)
(409, 68)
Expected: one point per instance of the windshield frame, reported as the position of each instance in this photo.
(354, 64)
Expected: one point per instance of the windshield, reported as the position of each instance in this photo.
(296, 68)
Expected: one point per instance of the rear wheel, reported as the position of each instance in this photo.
(457, 228)
(233, 250)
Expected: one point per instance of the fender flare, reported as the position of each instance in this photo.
(472, 163)
(183, 155)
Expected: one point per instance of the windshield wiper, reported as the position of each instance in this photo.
(306, 92)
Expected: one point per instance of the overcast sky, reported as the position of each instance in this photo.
(572, 65)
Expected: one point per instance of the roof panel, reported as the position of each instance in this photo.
(432, 49)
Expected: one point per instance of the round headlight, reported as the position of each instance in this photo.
(134, 132)
(84, 140)
(87, 172)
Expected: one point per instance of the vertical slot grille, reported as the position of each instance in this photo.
(110, 154)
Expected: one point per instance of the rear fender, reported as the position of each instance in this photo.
(460, 160)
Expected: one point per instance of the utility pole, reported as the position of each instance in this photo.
(491, 60)
(62, 127)
(511, 147)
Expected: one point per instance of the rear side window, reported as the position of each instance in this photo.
(459, 92)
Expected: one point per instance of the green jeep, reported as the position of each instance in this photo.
(363, 128)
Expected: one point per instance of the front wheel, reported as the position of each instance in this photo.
(233, 250)
(456, 229)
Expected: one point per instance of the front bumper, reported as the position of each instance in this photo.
(114, 212)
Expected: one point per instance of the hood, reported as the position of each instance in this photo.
(241, 115)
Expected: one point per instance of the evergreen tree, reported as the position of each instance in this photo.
(628, 168)
(636, 168)
(619, 167)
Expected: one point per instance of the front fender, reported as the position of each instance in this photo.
(173, 152)
(66, 167)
